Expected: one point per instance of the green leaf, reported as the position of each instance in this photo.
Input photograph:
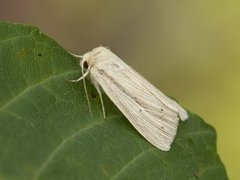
(46, 131)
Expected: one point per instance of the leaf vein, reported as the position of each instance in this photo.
(16, 37)
(52, 154)
(29, 88)
(140, 155)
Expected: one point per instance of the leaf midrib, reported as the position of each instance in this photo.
(29, 88)
(51, 155)
(59, 147)
(138, 156)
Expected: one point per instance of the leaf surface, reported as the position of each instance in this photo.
(46, 131)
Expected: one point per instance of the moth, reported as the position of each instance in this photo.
(153, 114)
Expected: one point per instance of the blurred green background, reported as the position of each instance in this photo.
(189, 49)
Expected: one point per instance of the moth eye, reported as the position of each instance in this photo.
(85, 65)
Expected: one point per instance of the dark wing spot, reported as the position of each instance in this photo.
(100, 71)
(113, 67)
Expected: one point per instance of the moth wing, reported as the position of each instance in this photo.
(154, 115)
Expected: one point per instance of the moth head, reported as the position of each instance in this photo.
(91, 58)
(88, 60)
(85, 61)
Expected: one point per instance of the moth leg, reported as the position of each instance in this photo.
(82, 77)
(75, 80)
(84, 84)
(101, 99)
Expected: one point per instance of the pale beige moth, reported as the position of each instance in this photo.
(154, 115)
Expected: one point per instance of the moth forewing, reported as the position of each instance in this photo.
(154, 115)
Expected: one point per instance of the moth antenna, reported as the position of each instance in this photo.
(75, 55)
(81, 78)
